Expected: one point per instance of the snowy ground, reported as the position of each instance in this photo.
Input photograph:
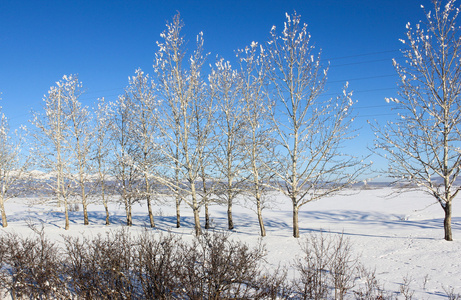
(399, 237)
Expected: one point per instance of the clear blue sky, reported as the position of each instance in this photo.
(105, 41)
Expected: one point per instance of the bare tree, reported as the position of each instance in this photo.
(258, 137)
(124, 170)
(12, 165)
(52, 138)
(183, 119)
(80, 140)
(169, 75)
(145, 133)
(423, 145)
(225, 86)
(309, 164)
(203, 116)
(101, 150)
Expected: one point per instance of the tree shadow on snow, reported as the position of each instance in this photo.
(384, 223)
(243, 221)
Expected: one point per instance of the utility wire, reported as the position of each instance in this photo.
(363, 78)
(363, 91)
(363, 54)
(360, 62)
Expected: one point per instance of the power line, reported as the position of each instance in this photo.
(361, 62)
(363, 78)
(371, 106)
(363, 54)
(374, 115)
(363, 91)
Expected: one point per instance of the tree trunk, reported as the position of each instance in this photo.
(207, 216)
(85, 206)
(129, 221)
(198, 230)
(178, 212)
(66, 213)
(85, 213)
(260, 217)
(2, 208)
(447, 221)
(151, 215)
(104, 201)
(107, 213)
(295, 221)
(229, 214)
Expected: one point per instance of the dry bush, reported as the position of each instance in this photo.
(214, 267)
(405, 289)
(30, 267)
(157, 264)
(273, 285)
(450, 292)
(370, 289)
(101, 268)
(163, 266)
(327, 266)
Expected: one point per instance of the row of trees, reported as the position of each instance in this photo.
(260, 126)
(200, 139)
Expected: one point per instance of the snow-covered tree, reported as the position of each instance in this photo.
(423, 146)
(183, 121)
(101, 150)
(203, 116)
(225, 84)
(309, 164)
(123, 150)
(257, 139)
(52, 152)
(80, 142)
(12, 165)
(145, 134)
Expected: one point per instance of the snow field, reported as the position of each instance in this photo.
(400, 237)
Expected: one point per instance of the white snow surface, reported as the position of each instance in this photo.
(398, 236)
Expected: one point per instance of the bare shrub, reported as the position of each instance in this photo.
(30, 267)
(342, 267)
(215, 267)
(405, 289)
(157, 265)
(164, 266)
(273, 285)
(451, 294)
(425, 280)
(101, 268)
(327, 264)
(370, 289)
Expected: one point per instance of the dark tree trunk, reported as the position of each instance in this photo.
(447, 221)
(229, 215)
(207, 216)
(178, 212)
